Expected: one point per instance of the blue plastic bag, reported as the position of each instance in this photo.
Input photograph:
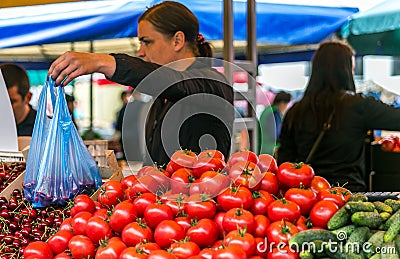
(59, 165)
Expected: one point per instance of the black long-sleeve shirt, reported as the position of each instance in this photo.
(340, 156)
(192, 109)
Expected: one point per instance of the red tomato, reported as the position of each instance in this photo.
(283, 209)
(122, 214)
(62, 255)
(235, 197)
(200, 206)
(332, 195)
(302, 223)
(176, 202)
(282, 253)
(79, 222)
(59, 241)
(243, 239)
(305, 198)
(141, 202)
(110, 248)
(184, 222)
(319, 183)
(147, 247)
(262, 223)
(102, 213)
(128, 181)
(66, 225)
(81, 246)
(38, 249)
(387, 144)
(218, 218)
(182, 158)
(280, 231)
(180, 180)
(167, 231)
(82, 202)
(211, 153)
(145, 183)
(267, 163)
(111, 193)
(161, 254)
(261, 247)
(321, 212)
(157, 212)
(243, 156)
(246, 174)
(207, 253)
(238, 218)
(203, 164)
(160, 175)
(133, 253)
(203, 232)
(136, 232)
(295, 174)
(270, 183)
(261, 201)
(344, 191)
(98, 229)
(212, 182)
(232, 251)
(184, 249)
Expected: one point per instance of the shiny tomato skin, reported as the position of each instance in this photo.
(211, 153)
(270, 183)
(182, 158)
(128, 181)
(82, 202)
(157, 212)
(319, 183)
(141, 202)
(161, 254)
(176, 202)
(283, 209)
(232, 251)
(212, 183)
(218, 218)
(38, 249)
(262, 222)
(235, 197)
(243, 239)
(305, 198)
(168, 231)
(238, 218)
(111, 193)
(261, 201)
(79, 222)
(203, 232)
(123, 213)
(295, 174)
(131, 253)
(180, 180)
(280, 231)
(184, 249)
(62, 255)
(282, 253)
(200, 206)
(344, 191)
(242, 156)
(203, 164)
(59, 241)
(136, 232)
(110, 249)
(98, 229)
(247, 174)
(267, 163)
(332, 195)
(81, 246)
(321, 212)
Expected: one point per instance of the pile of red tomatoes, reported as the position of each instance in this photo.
(199, 206)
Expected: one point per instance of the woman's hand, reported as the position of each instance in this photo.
(70, 65)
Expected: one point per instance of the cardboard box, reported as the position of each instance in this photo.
(109, 172)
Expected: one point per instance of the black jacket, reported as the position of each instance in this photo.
(192, 109)
(340, 156)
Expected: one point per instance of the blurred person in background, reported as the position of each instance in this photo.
(270, 122)
(17, 83)
(168, 32)
(331, 103)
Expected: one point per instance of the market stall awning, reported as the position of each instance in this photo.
(94, 20)
(375, 31)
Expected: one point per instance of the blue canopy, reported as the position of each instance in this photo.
(94, 20)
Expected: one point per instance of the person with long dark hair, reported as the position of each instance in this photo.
(193, 103)
(330, 100)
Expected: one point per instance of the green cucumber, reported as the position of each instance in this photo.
(376, 256)
(355, 206)
(393, 230)
(347, 230)
(390, 220)
(376, 240)
(359, 236)
(306, 255)
(339, 219)
(335, 252)
(395, 204)
(397, 243)
(388, 251)
(385, 215)
(367, 219)
(358, 197)
(382, 207)
(310, 235)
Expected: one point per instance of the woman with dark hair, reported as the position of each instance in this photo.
(193, 103)
(330, 100)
